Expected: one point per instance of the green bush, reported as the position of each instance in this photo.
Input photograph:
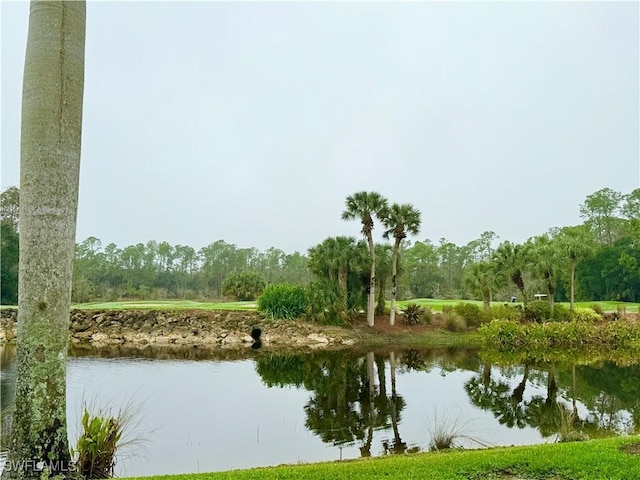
(325, 303)
(586, 315)
(413, 314)
(537, 311)
(243, 285)
(561, 314)
(472, 313)
(506, 312)
(509, 334)
(282, 301)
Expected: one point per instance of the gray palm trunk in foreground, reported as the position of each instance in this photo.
(49, 170)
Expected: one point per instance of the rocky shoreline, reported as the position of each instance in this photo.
(207, 329)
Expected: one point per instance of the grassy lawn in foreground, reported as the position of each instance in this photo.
(592, 460)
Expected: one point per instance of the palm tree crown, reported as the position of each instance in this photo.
(363, 206)
(401, 220)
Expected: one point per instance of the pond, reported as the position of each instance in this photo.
(203, 414)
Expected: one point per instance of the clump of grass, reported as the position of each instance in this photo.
(598, 309)
(450, 431)
(452, 320)
(413, 314)
(567, 431)
(427, 315)
(102, 439)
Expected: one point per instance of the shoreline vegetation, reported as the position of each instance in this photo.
(212, 326)
(610, 458)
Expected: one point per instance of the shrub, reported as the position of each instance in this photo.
(471, 313)
(282, 301)
(537, 311)
(452, 320)
(325, 304)
(585, 315)
(506, 312)
(243, 285)
(413, 314)
(598, 309)
(561, 314)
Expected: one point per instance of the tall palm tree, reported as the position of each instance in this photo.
(483, 279)
(51, 134)
(364, 206)
(575, 245)
(399, 221)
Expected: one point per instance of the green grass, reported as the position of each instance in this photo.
(165, 305)
(436, 304)
(433, 304)
(592, 460)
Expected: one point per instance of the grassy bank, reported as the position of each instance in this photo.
(433, 304)
(611, 458)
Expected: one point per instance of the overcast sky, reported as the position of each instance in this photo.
(251, 122)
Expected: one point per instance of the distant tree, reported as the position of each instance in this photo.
(244, 286)
(600, 212)
(10, 206)
(51, 134)
(9, 248)
(364, 206)
(422, 269)
(399, 221)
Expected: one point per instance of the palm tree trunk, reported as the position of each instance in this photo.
(49, 173)
(394, 282)
(486, 300)
(573, 282)
(342, 282)
(372, 283)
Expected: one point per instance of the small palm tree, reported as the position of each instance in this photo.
(483, 279)
(399, 220)
(575, 245)
(511, 260)
(544, 263)
(364, 206)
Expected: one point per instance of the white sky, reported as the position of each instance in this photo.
(252, 122)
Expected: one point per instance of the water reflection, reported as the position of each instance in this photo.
(568, 402)
(256, 407)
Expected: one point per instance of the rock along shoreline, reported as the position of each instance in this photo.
(207, 329)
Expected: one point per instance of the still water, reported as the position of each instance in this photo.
(205, 414)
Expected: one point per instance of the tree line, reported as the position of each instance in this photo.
(602, 255)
